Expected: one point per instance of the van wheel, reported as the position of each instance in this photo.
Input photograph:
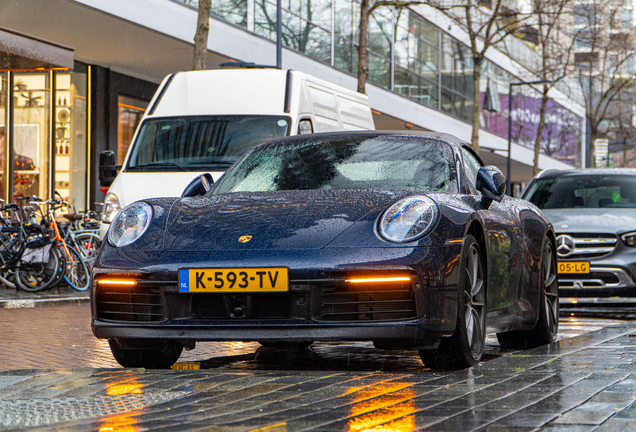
(161, 356)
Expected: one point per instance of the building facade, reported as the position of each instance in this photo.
(59, 115)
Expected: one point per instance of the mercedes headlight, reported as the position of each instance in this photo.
(130, 224)
(629, 238)
(408, 219)
(111, 207)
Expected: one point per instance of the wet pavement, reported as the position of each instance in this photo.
(12, 298)
(56, 376)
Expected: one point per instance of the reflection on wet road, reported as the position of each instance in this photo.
(383, 403)
(51, 383)
(60, 337)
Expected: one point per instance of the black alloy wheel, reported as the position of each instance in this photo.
(547, 326)
(161, 355)
(465, 347)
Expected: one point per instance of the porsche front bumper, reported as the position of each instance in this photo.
(318, 305)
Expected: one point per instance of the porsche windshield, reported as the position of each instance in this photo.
(210, 143)
(362, 163)
(588, 191)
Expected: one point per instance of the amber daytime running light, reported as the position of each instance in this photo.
(380, 279)
(118, 282)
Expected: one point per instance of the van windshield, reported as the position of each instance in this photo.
(205, 143)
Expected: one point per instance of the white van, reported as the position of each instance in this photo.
(203, 121)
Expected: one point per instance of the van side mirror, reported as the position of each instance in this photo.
(108, 168)
(199, 186)
(491, 183)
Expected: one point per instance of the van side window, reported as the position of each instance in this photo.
(471, 166)
(305, 127)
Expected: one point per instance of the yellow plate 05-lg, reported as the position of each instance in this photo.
(574, 267)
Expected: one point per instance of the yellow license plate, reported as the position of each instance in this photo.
(271, 279)
(574, 267)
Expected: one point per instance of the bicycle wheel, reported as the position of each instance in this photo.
(88, 245)
(77, 275)
(59, 277)
(34, 277)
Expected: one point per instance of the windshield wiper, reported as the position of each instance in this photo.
(160, 164)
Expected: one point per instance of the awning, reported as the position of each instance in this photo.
(19, 51)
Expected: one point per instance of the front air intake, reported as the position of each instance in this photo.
(131, 304)
(368, 302)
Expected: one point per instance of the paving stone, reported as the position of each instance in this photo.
(616, 425)
(584, 417)
(336, 386)
(523, 418)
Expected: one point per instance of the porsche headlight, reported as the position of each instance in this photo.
(408, 219)
(111, 207)
(130, 224)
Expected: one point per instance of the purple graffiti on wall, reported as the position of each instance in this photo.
(561, 134)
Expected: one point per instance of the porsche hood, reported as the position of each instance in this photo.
(270, 221)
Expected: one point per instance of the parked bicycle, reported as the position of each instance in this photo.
(77, 270)
(27, 256)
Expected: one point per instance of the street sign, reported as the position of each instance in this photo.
(601, 152)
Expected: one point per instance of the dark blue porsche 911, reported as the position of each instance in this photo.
(403, 239)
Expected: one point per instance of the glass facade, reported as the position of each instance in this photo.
(412, 57)
(30, 152)
(43, 129)
(4, 100)
(70, 135)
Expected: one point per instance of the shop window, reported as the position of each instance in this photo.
(70, 136)
(130, 112)
(3, 132)
(31, 105)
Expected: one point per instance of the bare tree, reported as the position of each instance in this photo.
(366, 10)
(621, 129)
(301, 35)
(488, 23)
(603, 63)
(201, 35)
(555, 45)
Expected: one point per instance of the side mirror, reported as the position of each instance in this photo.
(199, 186)
(491, 183)
(108, 168)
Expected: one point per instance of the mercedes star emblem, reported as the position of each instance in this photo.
(565, 245)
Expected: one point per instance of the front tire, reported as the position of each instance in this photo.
(465, 347)
(547, 327)
(160, 356)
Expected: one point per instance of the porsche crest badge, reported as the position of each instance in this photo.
(245, 239)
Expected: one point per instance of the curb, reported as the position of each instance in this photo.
(31, 303)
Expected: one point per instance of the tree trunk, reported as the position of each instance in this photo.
(474, 140)
(593, 136)
(201, 36)
(363, 55)
(537, 142)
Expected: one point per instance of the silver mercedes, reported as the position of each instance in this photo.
(593, 212)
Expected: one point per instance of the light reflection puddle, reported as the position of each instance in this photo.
(383, 403)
